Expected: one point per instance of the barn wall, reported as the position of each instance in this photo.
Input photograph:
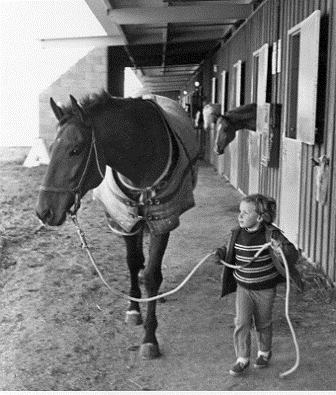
(88, 75)
(269, 23)
(330, 132)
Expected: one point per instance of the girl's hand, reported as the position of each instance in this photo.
(217, 257)
(276, 244)
(219, 254)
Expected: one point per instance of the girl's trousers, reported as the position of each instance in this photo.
(252, 306)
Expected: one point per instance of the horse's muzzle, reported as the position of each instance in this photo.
(48, 217)
(218, 152)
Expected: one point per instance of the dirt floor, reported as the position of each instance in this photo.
(62, 330)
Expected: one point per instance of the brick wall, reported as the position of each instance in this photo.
(88, 75)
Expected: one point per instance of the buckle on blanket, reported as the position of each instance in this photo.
(137, 216)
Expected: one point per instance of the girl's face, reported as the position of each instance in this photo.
(248, 217)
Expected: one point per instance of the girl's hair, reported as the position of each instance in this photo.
(265, 206)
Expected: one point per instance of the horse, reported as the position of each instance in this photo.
(139, 156)
(226, 125)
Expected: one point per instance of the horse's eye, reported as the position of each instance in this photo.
(76, 151)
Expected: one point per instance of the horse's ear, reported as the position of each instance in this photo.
(77, 110)
(57, 110)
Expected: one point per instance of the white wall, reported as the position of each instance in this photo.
(132, 86)
(25, 68)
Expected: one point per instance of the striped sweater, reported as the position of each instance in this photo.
(261, 274)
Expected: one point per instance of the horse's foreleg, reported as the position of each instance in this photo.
(152, 280)
(135, 261)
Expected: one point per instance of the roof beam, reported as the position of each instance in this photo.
(177, 37)
(181, 14)
(174, 68)
(163, 80)
(96, 41)
(185, 1)
(164, 42)
(173, 88)
(116, 40)
(166, 84)
(100, 11)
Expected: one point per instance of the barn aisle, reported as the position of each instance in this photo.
(61, 329)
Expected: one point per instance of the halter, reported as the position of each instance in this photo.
(230, 123)
(227, 119)
(77, 190)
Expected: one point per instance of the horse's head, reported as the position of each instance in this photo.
(74, 167)
(225, 134)
(210, 114)
(240, 118)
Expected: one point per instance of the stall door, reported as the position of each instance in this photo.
(302, 55)
(236, 99)
(259, 87)
(221, 163)
(290, 188)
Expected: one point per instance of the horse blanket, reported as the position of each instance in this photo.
(169, 198)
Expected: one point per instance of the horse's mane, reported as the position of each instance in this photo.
(241, 113)
(95, 102)
(212, 108)
(241, 117)
(243, 110)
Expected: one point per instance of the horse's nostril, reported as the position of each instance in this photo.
(48, 214)
(44, 215)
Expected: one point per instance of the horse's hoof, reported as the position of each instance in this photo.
(133, 317)
(149, 351)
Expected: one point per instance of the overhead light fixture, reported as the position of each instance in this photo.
(185, 92)
(197, 83)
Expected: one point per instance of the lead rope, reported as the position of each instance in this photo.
(130, 298)
(127, 297)
(295, 366)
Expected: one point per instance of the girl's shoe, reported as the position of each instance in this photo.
(239, 368)
(262, 361)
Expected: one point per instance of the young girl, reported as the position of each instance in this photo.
(255, 283)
